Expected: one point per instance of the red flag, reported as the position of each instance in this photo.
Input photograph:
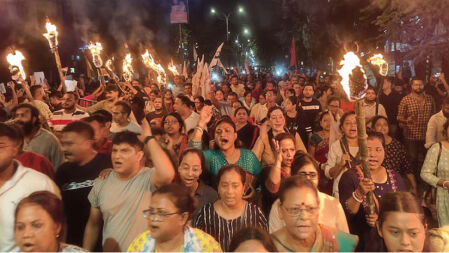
(293, 53)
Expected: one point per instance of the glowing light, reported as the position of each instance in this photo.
(52, 34)
(213, 11)
(349, 63)
(241, 10)
(127, 68)
(173, 69)
(215, 77)
(149, 62)
(15, 65)
(378, 60)
(95, 50)
(108, 64)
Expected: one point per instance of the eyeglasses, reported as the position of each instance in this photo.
(161, 216)
(170, 122)
(295, 212)
(310, 175)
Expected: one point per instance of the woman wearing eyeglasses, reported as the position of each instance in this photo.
(330, 211)
(170, 210)
(299, 208)
(175, 139)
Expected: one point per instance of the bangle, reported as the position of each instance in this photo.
(445, 187)
(355, 197)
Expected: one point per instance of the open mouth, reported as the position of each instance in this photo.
(117, 163)
(27, 246)
(223, 141)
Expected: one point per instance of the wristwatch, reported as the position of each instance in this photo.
(147, 139)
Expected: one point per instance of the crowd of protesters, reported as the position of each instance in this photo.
(256, 163)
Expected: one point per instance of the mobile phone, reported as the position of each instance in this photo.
(398, 68)
(437, 74)
(72, 70)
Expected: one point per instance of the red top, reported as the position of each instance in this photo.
(37, 162)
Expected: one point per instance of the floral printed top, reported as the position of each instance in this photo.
(357, 222)
(195, 240)
(396, 158)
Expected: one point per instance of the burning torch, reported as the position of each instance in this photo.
(173, 69)
(127, 68)
(15, 65)
(355, 85)
(378, 60)
(149, 62)
(52, 37)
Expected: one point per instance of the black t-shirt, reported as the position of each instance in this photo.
(75, 183)
(309, 112)
(154, 115)
(391, 105)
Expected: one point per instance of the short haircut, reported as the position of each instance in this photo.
(375, 135)
(106, 114)
(296, 182)
(377, 118)
(239, 109)
(55, 93)
(13, 132)
(81, 128)
(33, 110)
(185, 100)
(125, 106)
(200, 98)
(196, 151)
(333, 98)
(112, 87)
(252, 233)
(233, 94)
(102, 120)
(47, 201)
(182, 126)
(127, 137)
(283, 136)
(75, 95)
(187, 84)
(309, 84)
(416, 79)
(34, 88)
(274, 108)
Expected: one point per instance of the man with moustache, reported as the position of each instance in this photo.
(37, 139)
(76, 176)
(414, 112)
(59, 119)
(435, 127)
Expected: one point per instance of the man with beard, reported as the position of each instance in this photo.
(435, 128)
(371, 107)
(112, 96)
(76, 176)
(414, 112)
(16, 183)
(37, 139)
(59, 119)
(390, 100)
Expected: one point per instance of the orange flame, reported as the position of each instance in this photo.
(148, 60)
(52, 34)
(173, 69)
(15, 60)
(378, 60)
(349, 63)
(95, 50)
(108, 64)
(128, 70)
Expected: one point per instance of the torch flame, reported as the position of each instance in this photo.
(95, 50)
(378, 60)
(128, 68)
(349, 63)
(52, 34)
(108, 64)
(173, 69)
(148, 60)
(15, 61)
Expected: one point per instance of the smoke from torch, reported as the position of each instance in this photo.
(15, 65)
(128, 70)
(95, 50)
(378, 60)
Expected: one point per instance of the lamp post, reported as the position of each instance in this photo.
(226, 17)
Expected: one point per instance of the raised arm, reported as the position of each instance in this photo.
(164, 172)
(205, 117)
(273, 181)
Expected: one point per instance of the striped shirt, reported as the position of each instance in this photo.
(59, 119)
(222, 229)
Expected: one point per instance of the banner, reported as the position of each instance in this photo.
(178, 14)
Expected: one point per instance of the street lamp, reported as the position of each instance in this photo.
(213, 11)
(226, 17)
(246, 31)
(241, 10)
